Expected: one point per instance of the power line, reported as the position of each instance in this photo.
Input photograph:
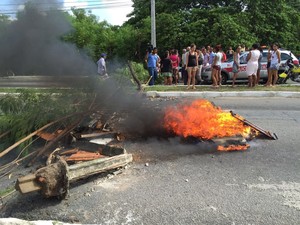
(68, 2)
(66, 8)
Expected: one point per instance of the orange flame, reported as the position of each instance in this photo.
(233, 147)
(201, 119)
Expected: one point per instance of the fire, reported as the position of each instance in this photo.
(201, 119)
(233, 147)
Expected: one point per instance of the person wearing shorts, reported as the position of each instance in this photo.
(216, 66)
(275, 63)
(236, 64)
(269, 82)
(252, 65)
(166, 69)
(192, 66)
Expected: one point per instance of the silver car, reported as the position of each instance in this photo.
(227, 73)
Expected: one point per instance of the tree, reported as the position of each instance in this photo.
(4, 21)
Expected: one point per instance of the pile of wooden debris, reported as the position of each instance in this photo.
(79, 150)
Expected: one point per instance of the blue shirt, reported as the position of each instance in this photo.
(152, 60)
(211, 57)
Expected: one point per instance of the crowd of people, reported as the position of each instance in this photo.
(194, 60)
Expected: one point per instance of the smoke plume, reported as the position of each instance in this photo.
(31, 44)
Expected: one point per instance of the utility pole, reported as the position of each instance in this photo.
(153, 24)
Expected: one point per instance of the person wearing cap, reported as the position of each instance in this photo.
(102, 65)
(152, 60)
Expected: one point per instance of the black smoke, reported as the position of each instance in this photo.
(32, 43)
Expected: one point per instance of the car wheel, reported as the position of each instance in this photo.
(224, 78)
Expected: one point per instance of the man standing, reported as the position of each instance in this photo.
(102, 65)
(152, 60)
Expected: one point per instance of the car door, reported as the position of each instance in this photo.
(243, 66)
(263, 70)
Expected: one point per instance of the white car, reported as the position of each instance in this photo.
(227, 74)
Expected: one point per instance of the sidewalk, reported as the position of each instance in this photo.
(215, 94)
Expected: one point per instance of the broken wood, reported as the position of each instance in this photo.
(52, 143)
(48, 136)
(4, 152)
(92, 135)
(54, 180)
(257, 128)
(84, 156)
(135, 78)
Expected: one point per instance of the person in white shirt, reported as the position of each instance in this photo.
(275, 63)
(252, 65)
(102, 65)
(216, 66)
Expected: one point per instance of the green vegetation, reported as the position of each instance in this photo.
(25, 111)
(180, 23)
(6, 191)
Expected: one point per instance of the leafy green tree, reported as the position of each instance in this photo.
(4, 21)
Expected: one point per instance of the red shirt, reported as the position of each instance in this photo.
(175, 61)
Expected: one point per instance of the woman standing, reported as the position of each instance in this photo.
(236, 64)
(216, 66)
(175, 63)
(192, 66)
(166, 69)
(269, 82)
(275, 63)
(252, 65)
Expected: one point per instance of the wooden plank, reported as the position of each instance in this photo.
(27, 184)
(89, 168)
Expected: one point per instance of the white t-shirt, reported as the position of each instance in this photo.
(219, 56)
(101, 66)
(274, 58)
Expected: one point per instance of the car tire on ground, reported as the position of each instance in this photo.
(224, 78)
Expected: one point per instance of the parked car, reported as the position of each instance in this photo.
(227, 74)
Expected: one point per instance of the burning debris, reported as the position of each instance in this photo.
(203, 120)
(93, 146)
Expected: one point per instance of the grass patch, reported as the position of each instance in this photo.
(33, 90)
(225, 88)
(6, 191)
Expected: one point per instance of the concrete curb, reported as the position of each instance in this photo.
(214, 94)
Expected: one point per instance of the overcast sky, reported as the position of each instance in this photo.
(113, 11)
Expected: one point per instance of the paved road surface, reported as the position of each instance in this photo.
(193, 184)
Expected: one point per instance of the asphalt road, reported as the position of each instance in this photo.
(174, 183)
(42, 81)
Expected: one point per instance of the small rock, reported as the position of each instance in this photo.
(186, 180)
(87, 194)
(117, 172)
(213, 208)
(261, 179)
(110, 176)
(146, 164)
